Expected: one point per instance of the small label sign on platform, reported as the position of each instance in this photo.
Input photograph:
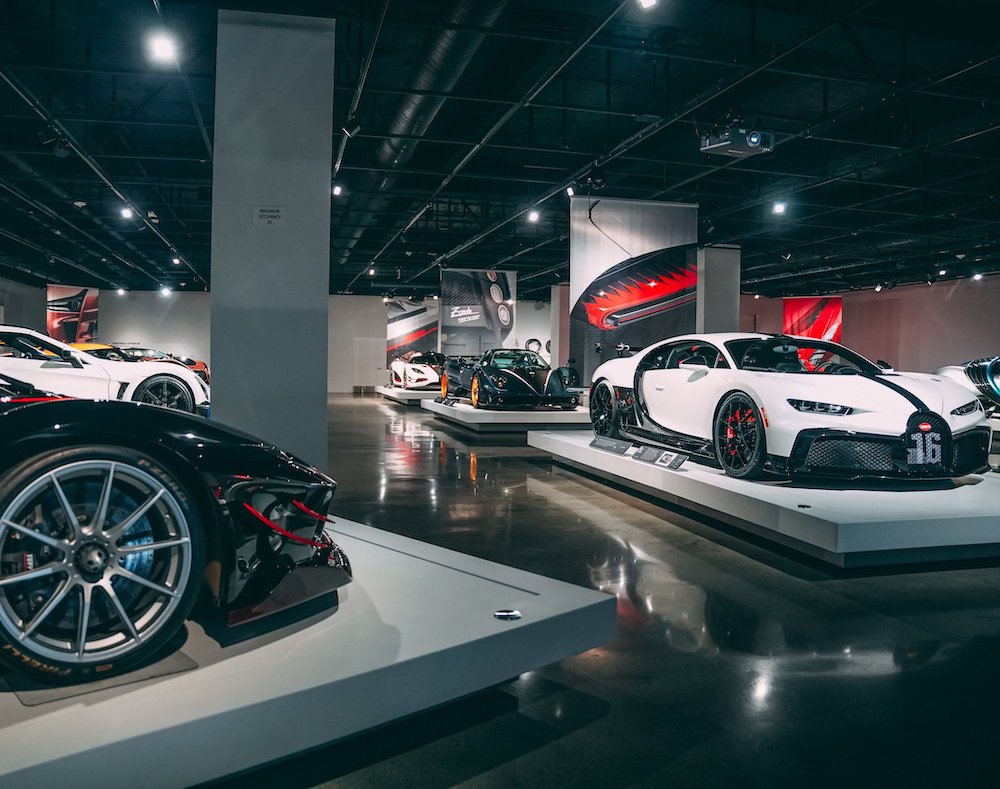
(648, 454)
(672, 460)
(611, 445)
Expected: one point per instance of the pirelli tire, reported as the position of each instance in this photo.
(101, 560)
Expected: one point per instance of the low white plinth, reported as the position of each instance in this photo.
(895, 523)
(484, 420)
(414, 630)
(407, 396)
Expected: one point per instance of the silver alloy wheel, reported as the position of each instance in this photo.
(167, 392)
(100, 574)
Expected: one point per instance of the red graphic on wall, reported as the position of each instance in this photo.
(820, 317)
(71, 313)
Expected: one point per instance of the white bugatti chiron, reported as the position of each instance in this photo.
(416, 370)
(54, 366)
(764, 403)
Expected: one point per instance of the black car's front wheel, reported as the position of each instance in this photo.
(101, 554)
(474, 393)
(740, 445)
(604, 410)
(166, 391)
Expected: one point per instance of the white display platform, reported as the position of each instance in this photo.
(893, 524)
(415, 629)
(484, 420)
(407, 396)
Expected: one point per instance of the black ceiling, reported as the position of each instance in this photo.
(886, 117)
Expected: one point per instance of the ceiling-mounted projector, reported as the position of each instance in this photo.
(737, 141)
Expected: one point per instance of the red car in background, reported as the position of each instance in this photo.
(196, 366)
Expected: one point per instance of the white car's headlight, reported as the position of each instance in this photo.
(812, 407)
(968, 408)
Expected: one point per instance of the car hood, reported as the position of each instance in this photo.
(886, 392)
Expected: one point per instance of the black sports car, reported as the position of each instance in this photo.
(116, 517)
(506, 378)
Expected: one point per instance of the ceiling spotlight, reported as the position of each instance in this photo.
(756, 295)
(532, 216)
(120, 291)
(385, 299)
(176, 261)
(162, 48)
(338, 190)
(878, 288)
(977, 277)
(127, 213)
(647, 3)
(352, 127)
(371, 272)
(779, 207)
(570, 191)
(942, 272)
(164, 291)
(435, 297)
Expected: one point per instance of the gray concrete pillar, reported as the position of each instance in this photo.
(718, 289)
(271, 227)
(559, 349)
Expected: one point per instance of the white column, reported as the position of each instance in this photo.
(718, 289)
(271, 227)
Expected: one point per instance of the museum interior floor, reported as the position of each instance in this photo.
(735, 664)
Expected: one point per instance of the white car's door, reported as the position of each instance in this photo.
(59, 376)
(682, 396)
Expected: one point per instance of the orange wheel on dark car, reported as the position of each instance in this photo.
(444, 385)
(474, 393)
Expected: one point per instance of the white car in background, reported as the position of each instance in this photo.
(53, 366)
(416, 370)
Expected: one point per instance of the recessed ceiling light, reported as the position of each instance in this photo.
(121, 291)
(977, 277)
(878, 288)
(162, 48)
(942, 272)
(570, 191)
(127, 213)
(371, 272)
(435, 297)
(779, 207)
(532, 216)
(164, 291)
(176, 261)
(756, 295)
(647, 3)
(338, 190)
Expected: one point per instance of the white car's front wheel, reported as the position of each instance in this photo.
(166, 391)
(604, 410)
(739, 437)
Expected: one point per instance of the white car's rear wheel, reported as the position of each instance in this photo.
(739, 437)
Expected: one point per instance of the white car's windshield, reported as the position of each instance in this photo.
(798, 355)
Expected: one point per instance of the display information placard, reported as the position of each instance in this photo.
(648, 454)
(672, 460)
(611, 445)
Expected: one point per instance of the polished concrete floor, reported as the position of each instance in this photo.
(735, 664)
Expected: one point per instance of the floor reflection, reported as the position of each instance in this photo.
(755, 655)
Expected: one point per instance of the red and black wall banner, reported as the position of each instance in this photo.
(633, 275)
(71, 313)
(410, 326)
(819, 317)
